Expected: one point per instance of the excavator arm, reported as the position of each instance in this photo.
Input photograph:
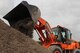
(44, 31)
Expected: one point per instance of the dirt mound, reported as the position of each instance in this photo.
(12, 41)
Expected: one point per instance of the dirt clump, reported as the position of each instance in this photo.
(13, 41)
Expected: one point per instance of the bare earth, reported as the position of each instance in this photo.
(13, 41)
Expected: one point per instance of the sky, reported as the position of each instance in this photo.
(65, 13)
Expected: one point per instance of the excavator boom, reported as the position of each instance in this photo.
(45, 32)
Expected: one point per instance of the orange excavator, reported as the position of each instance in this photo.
(57, 39)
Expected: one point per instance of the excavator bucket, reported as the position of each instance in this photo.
(23, 11)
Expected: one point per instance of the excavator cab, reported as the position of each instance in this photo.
(63, 34)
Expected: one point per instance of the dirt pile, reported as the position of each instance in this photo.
(12, 41)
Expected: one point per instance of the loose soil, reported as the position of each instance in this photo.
(25, 26)
(13, 41)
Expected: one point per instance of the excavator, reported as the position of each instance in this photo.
(57, 39)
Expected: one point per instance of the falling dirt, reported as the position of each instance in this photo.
(13, 41)
(25, 26)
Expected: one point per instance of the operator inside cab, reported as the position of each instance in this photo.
(62, 33)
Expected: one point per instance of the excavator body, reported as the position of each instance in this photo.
(57, 36)
(57, 39)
